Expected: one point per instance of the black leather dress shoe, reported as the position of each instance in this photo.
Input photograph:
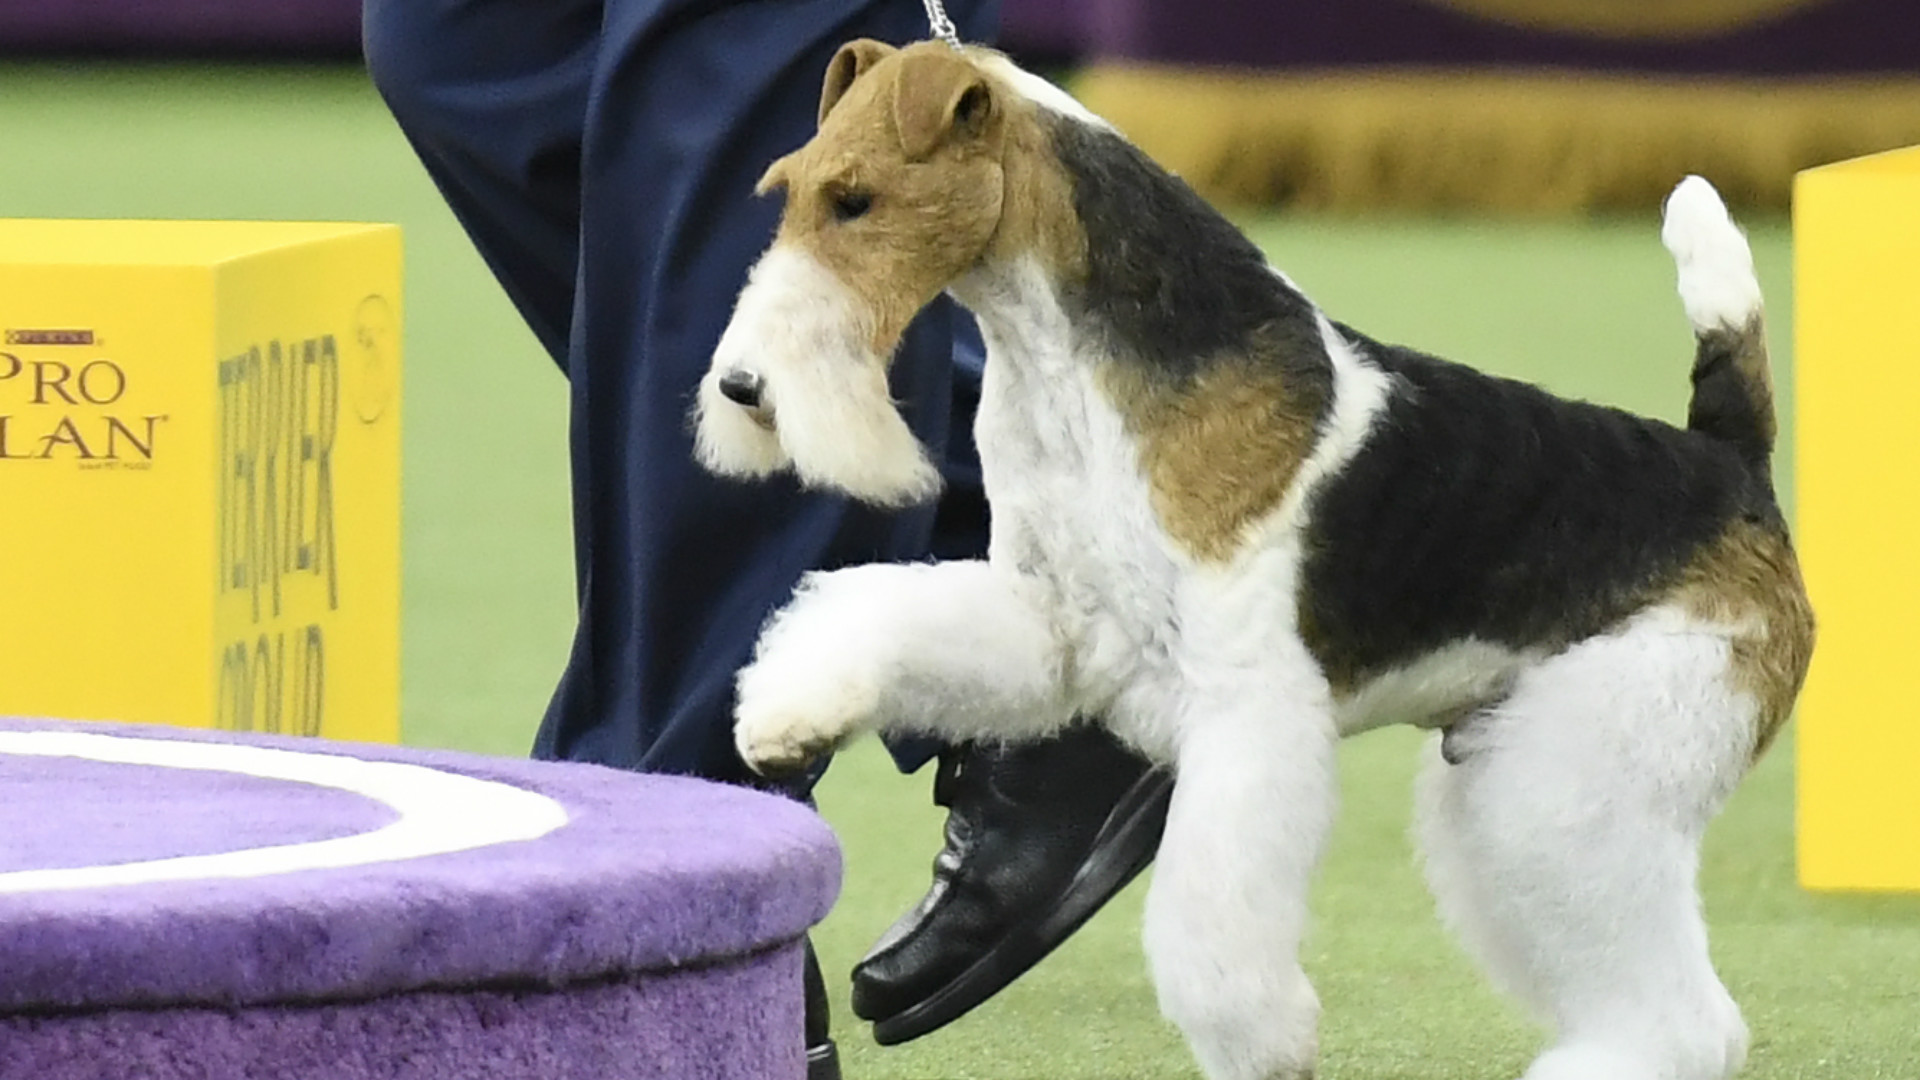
(823, 1058)
(1038, 837)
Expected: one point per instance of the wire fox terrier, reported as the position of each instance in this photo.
(1235, 532)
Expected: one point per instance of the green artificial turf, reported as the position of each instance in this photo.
(1831, 985)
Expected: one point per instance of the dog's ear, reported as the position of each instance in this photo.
(854, 59)
(940, 96)
(774, 178)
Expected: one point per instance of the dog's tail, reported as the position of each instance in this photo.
(1732, 387)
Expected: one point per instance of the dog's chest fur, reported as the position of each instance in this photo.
(1075, 513)
(1071, 511)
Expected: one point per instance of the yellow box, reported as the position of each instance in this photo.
(1856, 240)
(200, 474)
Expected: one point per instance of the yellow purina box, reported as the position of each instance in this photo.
(200, 474)
(1856, 256)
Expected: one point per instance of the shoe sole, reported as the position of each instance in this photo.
(823, 1062)
(1125, 845)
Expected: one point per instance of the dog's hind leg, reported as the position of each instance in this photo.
(1564, 845)
(953, 649)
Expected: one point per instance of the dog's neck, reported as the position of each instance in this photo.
(1018, 307)
(1146, 273)
(1216, 366)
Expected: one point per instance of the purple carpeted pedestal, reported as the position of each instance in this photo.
(187, 904)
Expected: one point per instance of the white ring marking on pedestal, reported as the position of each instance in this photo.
(439, 812)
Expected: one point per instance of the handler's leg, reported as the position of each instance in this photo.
(602, 156)
(645, 125)
(502, 98)
(688, 102)
(493, 96)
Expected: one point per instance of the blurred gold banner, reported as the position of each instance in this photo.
(1657, 19)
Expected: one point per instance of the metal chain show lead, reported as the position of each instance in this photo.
(942, 26)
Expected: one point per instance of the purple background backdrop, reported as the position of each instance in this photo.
(292, 26)
(1832, 37)
(1850, 36)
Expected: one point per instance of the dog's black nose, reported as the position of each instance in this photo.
(742, 388)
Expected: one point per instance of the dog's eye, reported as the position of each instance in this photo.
(848, 205)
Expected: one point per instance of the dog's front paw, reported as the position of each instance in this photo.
(783, 725)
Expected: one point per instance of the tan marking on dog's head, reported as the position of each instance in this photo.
(1219, 451)
(854, 59)
(1037, 216)
(929, 164)
(924, 161)
(901, 189)
(1750, 579)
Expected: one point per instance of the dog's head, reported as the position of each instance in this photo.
(899, 193)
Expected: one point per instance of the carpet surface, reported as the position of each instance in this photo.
(717, 1023)
(128, 813)
(630, 874)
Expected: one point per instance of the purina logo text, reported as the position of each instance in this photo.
(57, 409)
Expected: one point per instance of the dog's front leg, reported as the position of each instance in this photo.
(951, 649)
(1251, 811)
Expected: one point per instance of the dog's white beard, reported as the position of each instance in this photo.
(797, 327)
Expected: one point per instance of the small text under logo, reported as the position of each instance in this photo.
(49, 337)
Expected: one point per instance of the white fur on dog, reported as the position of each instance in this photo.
(856, 648)
(1253, 738)
(800, 329)
(1434, 689)
(1071, 512)
(1717, 283)
(1576, 812)
(1038, 90)
(1104, 617)
(1360, 391)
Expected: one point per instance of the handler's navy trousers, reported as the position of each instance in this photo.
(602, 155)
